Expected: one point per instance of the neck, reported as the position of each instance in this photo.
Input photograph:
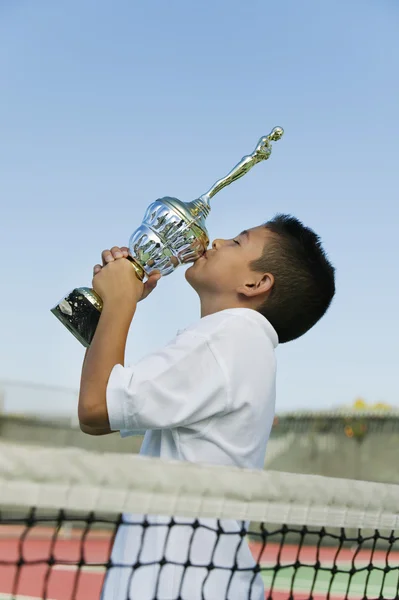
(214, 304)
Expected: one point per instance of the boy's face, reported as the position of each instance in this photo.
(225, 268)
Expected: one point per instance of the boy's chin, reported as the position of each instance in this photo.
(191, 277)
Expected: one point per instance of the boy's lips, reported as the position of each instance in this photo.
(204, 256)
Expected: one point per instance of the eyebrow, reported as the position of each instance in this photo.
(245, 232)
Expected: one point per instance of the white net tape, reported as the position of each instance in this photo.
(75, 479)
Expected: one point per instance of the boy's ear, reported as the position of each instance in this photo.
(259, 285)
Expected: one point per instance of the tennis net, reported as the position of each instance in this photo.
(78, 525)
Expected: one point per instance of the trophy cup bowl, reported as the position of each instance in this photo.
(171, 234)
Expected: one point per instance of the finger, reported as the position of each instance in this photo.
(106, 257)
(153, 279)
(116, 252)
(96, 269)
(156, 277)
(125, 251)
(151, 284)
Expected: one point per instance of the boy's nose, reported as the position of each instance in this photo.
(216, 244)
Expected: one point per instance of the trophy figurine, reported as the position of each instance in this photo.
(172, 233)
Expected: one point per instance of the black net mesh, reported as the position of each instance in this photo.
(60, 555)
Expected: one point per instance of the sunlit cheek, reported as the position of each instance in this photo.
(226, 275)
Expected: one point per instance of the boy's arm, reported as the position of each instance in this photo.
(107, 350)
(120, 291)
(92, 430)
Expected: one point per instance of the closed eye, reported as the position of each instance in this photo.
(236, 242)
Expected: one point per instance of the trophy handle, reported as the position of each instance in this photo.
(262, 152)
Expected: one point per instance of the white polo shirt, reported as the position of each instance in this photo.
(208, 396)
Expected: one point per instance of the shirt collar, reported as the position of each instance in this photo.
(254, 315)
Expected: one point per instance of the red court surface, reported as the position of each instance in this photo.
(68, 582)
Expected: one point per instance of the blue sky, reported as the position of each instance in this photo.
(106, 106)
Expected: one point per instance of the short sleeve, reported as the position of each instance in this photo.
(180, 385)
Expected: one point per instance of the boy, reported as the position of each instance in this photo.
(208, 396)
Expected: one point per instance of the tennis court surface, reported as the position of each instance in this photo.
(310, 536)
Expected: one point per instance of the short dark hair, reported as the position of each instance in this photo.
(304, 281)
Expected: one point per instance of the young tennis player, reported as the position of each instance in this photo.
(208, 396)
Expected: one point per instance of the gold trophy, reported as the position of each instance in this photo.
(172, 233)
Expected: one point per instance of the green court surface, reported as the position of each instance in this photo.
(373, 584)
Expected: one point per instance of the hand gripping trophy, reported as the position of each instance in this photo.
(172, 233)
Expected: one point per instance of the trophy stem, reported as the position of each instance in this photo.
(199, 208)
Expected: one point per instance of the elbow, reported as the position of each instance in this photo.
(91, 431)
(86, 429)
(92, 417)
(85, 417)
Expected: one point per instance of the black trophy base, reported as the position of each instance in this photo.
(80, 312)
